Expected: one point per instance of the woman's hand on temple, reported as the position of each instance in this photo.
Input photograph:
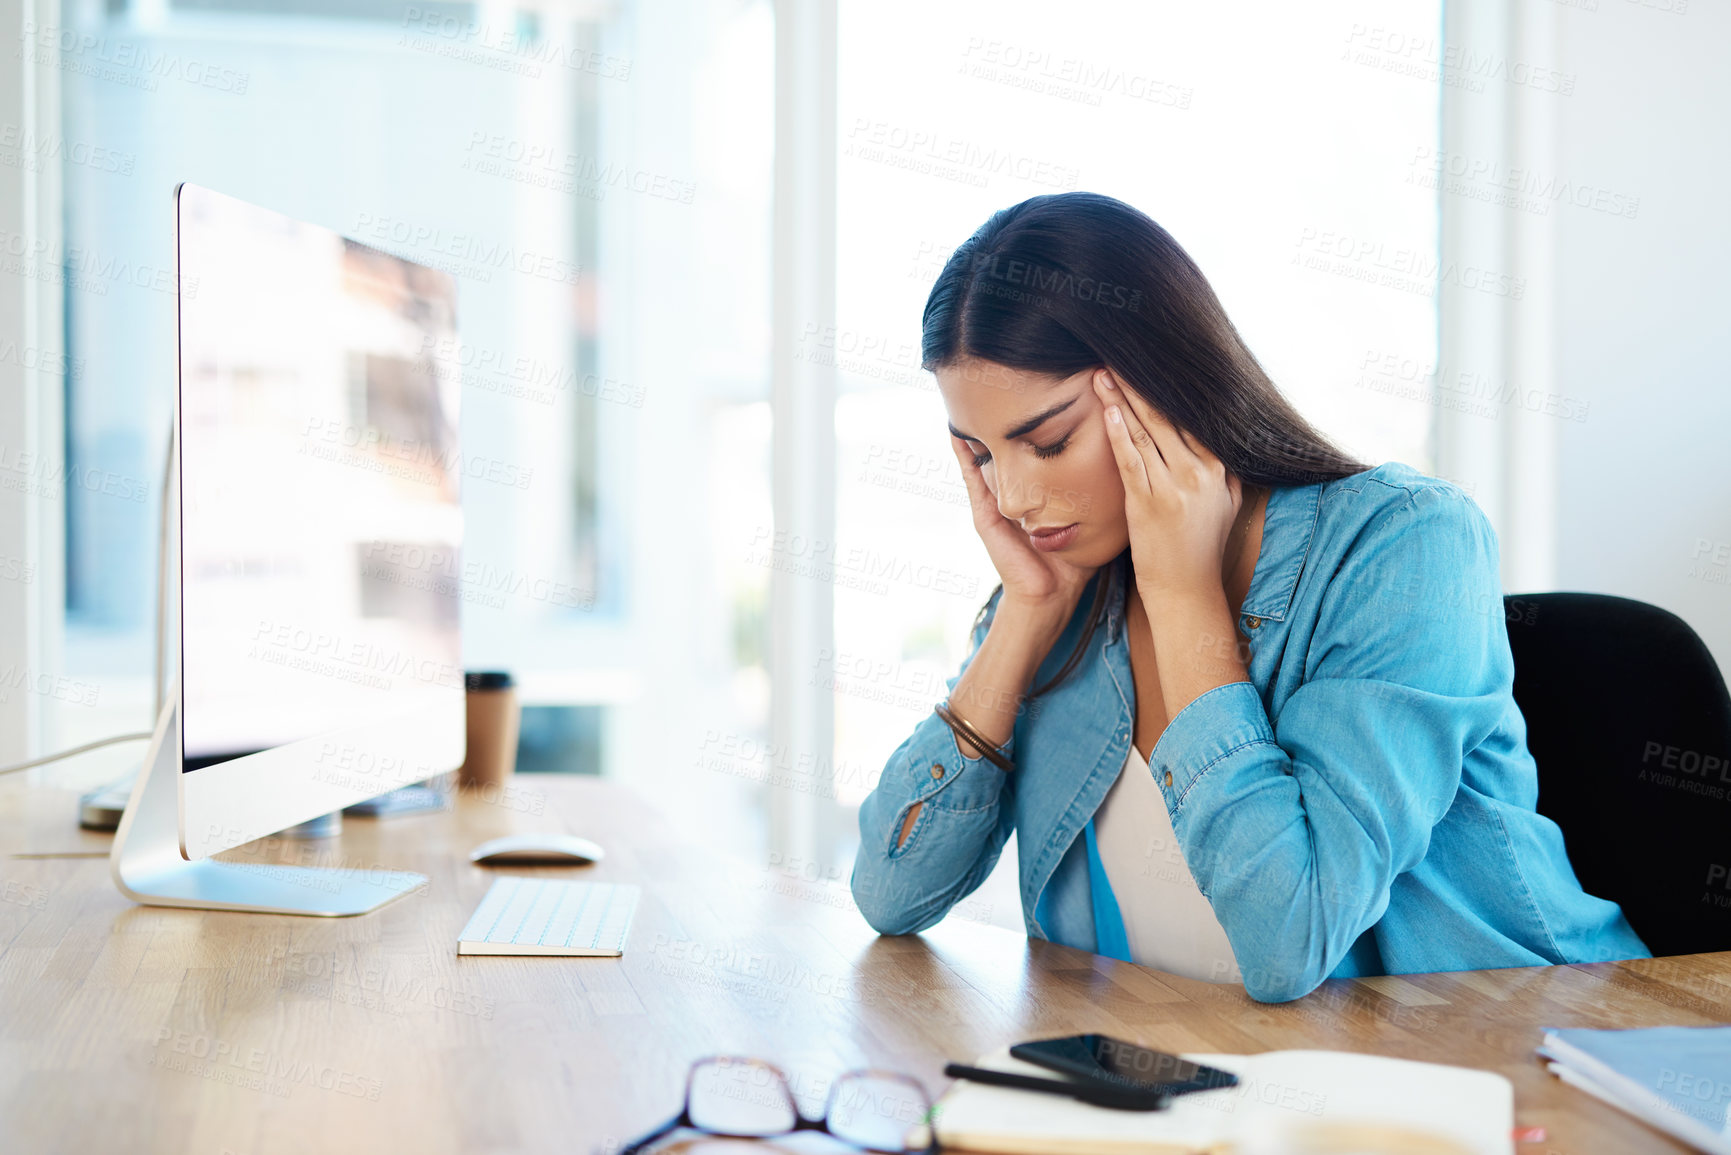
(1178, 497)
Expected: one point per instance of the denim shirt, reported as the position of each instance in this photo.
(1363, 805)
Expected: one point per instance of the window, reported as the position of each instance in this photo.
(598, 181)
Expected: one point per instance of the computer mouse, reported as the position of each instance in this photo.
(537, 850)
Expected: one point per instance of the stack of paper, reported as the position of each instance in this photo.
(1677, 1079)
(1284, 1101)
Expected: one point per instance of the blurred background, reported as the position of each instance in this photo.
(713, 522)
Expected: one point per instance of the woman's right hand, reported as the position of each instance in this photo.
(1042, 585)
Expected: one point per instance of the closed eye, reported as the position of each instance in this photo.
(1053, 449)
(1040, 451)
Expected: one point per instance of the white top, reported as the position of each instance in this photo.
(1168, 922)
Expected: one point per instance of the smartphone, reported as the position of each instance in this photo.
(1111, 1062)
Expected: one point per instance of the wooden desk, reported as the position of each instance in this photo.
(127, 1028)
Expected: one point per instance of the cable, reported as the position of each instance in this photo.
(142, 735)
(161, 623)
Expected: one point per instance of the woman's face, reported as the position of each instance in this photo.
(1042, 449)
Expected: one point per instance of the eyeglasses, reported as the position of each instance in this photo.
(741, 1098)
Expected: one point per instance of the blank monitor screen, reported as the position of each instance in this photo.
(320, 470)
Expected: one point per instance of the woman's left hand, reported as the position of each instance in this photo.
(1178, 497)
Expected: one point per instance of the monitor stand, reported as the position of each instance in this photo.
(147, 865)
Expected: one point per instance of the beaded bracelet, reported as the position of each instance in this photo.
(965, 729)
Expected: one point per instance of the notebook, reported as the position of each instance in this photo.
(546, 916)
(1677, 1079)
(1284, 1101)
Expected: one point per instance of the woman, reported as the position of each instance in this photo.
(1246, 702)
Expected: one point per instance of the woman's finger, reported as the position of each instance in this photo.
(980, 497)
(965, 459)
(1107, 386)
(1132, 467)
(1162, 434)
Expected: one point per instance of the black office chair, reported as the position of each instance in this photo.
(1629, 722)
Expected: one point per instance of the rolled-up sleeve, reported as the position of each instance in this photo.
(956, 839)
(1295, 829)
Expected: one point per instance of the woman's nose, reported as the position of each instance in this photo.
(1018, 496)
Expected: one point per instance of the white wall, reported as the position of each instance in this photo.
(1643, 309)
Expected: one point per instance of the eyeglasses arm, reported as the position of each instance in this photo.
(680, 1120)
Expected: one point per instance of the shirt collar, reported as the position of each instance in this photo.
(1288, 527)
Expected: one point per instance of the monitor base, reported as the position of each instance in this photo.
(147, 865)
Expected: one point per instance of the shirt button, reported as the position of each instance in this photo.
(937, 769)
(1255, 622)
(1168, 777)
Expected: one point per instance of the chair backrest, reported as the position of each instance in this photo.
(1629, 722)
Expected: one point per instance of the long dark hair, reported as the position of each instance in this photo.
(1070, 281)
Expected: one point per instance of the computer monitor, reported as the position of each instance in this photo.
(319, 557)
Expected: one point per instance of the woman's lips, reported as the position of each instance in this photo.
(1051, 540)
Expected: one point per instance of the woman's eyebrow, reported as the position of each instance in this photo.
(1025, 427)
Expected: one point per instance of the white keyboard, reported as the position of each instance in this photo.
(549, 917)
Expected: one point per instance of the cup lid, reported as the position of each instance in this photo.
(487, 680)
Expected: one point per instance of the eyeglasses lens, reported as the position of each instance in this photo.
(740, 1097)
(880, 1112)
